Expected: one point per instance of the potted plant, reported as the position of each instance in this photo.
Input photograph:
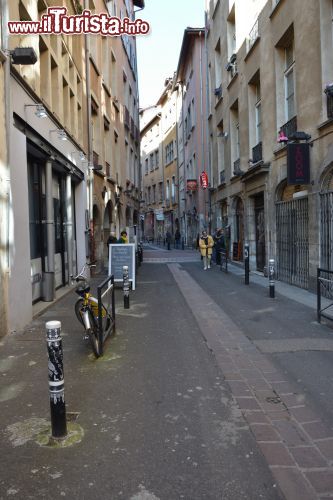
(329, 89)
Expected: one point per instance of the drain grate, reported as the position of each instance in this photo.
(72, 416)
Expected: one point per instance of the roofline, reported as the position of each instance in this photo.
(188, 34)
(148, 124)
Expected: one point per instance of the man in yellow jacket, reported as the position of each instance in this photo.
(206, 244)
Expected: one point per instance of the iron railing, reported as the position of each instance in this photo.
(237, 170)
(253, 35)
(126, 117)
(329, 106)
(292, 238)
(324, 289)
(257, 153)
(326, 230)
(106, 311)
(290, 127)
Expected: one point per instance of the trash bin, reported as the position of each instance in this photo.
(48, 286)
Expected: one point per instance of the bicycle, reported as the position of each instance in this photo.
(91, 313)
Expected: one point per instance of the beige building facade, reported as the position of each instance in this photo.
(160, 192)
(270, 79)
(72, 161)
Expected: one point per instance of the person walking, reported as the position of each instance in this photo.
(177, 238)
(168, 239)
(206, 244)
(123, 237)
(219, 245)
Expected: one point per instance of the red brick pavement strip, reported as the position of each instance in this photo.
(284, 433)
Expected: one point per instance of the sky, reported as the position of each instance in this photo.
(158, 52)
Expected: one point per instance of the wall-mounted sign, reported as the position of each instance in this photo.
(298, 163)
(159, 213)
(191, 185)
(204, 180)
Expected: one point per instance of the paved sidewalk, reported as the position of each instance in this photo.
(297, 444)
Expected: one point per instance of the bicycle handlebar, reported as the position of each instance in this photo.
(80, 276)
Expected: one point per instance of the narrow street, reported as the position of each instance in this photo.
(202, 394)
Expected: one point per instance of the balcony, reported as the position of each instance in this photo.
(290, 127)
(257, 153)
(126, 117)
(253, 36)
(329, 106)
(237, 171)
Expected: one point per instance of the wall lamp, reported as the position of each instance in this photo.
(61, 134)
(96, 168)
(23, 55)
(40, 110)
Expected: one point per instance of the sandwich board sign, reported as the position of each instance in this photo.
(122, 254)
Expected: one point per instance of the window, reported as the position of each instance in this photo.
(149, 195)
(289, 82)
(169, 156)
(151, 160)
(160, 191)
(218, 65)
(154, 193)
(168, 190)
(258, 114)
(157, 159)
(146, 166)
(173, 190)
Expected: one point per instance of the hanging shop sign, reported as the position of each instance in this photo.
(159, 213)
(298, 163)
(191, 184)
(204, 180)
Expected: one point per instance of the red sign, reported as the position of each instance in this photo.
(204, 180)
(191, 184)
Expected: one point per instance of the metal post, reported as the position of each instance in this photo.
(126, 287)
(247, 263)
(271, 274)
(318, 296)
(56, 379)
(183, 243)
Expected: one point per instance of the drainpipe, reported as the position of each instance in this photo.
(202, 124)
(7, 99)
(49, 217)
(177, 139)
(209, 164)
(69, 231)
(184, 167)
(90, 173)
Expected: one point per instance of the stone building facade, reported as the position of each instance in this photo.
(270, 84)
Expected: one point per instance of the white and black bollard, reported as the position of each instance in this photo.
(56, 379)
(247, 263)
(271, 277)
(126, 287)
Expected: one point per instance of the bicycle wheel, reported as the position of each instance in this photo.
(93, 334)
(77, 308)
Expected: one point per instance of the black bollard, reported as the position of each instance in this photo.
(126, 287)
(183, 244)
(56, 379)
(247, 263)
(271, 275)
